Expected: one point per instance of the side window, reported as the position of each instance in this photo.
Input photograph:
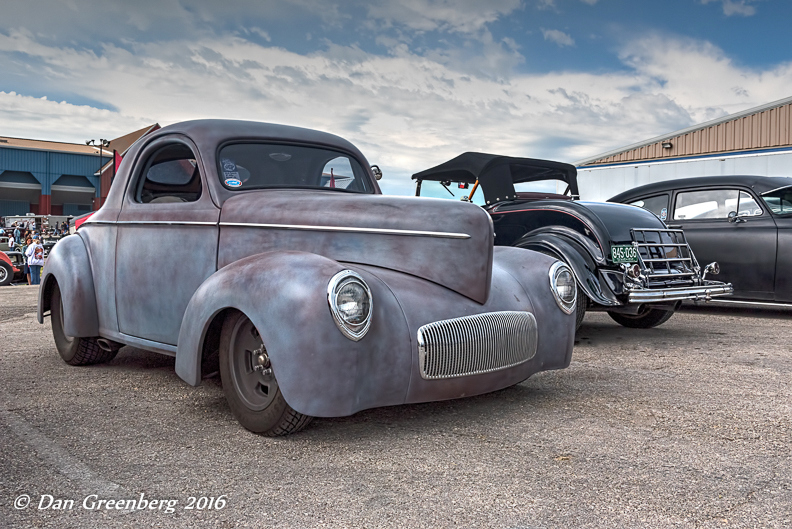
(657, 205)
(170, 175)
(709, 204)
(748, 206)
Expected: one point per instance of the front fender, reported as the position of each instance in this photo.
(320, 372)
(574, 255)
(68, 264)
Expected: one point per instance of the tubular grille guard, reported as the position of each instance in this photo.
(664, 255)
(472, 345)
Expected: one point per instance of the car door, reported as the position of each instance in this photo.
(167, 240)
(779, 202)
(745, 246)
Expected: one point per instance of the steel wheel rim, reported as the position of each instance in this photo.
(255, 389)
(3, 273)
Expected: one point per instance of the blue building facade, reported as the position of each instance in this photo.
(46, 179)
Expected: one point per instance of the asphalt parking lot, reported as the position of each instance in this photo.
(686, 425)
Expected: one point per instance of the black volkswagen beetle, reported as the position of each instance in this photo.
(742, 222)
(626, 260)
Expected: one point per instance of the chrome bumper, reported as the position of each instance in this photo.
(702, 293)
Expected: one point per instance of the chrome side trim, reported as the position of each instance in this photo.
(304, 227)
(473, 345)
(349, 229)
(703, 293)
(151, 222)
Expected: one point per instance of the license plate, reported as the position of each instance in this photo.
(623, 253)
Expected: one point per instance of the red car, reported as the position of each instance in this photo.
(11, 266)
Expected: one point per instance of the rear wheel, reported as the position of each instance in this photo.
(76, 351)
(646, 319)
(249, 383)
(6, 273)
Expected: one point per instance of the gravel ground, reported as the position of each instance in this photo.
(686, 425)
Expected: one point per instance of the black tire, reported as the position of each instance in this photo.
(253, 395)
(580, 307)
(646, 319)
(6, 274)
(75, 351)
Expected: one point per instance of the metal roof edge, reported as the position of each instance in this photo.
(657, 161)
(693, 128)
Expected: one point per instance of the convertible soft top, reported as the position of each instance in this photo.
(497, 174)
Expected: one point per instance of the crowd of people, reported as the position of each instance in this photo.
(25, 238)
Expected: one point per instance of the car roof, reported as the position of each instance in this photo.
(760, 184)
(497, 174)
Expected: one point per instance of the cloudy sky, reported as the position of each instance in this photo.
(411, 82)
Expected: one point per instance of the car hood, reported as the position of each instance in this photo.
(446, 242)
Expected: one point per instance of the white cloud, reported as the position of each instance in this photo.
(33, 117)
(559, 37)
(735, 7)
(466, 16)
(405, 111)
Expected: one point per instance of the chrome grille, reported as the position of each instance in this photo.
(472, 345)
(665, 254)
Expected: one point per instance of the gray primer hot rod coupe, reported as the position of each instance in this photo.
(320, 296)
(625, 259)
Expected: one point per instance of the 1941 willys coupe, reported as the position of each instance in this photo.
(320, 296)
(625, 259)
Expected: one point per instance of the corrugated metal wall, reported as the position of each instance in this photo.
(763, 130)
(47, 166)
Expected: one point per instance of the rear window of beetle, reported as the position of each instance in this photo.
(265, 165)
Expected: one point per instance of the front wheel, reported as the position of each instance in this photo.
(73, 350)
(580, 307)
(249, 383)
(646, 319)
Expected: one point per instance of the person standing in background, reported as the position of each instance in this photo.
(35, 259)
(26, 269)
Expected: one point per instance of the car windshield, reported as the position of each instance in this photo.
(779, 201)
(265, 165)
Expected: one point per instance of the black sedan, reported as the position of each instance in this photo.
(742, 222)
(626, 261)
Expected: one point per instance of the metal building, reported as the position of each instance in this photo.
(52, 178)
(757, 141)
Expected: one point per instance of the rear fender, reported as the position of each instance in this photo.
(575, 255)
(69, 266)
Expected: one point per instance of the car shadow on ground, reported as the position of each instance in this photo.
(752, 311)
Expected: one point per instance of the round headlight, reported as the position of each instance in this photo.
(562, 283)
(349, 298)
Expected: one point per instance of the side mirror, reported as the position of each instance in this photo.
(735, 218)
(377, 172)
